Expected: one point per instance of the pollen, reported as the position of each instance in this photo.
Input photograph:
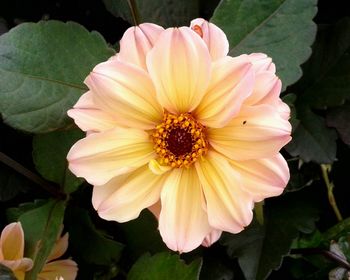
(179, 140)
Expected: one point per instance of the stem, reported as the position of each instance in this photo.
(29, 175)
(330, 186)
(134, 12)
(328, 254)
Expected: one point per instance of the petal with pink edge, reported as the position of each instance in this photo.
(183, 223)
(179, 65)
(211, 238)
(137, 41)
(263, 178)
(257, 132)
(59, 248)
(232, 81)
(261, 62)
(126, 92)
(88, 117)
(67, 269)
(213, 36)
(229, 207)
(128, 196)
(101, 156)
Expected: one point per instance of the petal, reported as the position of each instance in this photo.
(257, 132)
(229, 207)
(137, 41)
(231, 83)
(101, 156)
(123, 199)
(179, 65)
(183, 223)
(59, 248)
(126, 92)
(67, 269)
(20, 265)
(211, 238)
(261, 62)
(263, 178)
(155, 209)
(267, 89)
(12, 242)
(213, 36)
(88, 117)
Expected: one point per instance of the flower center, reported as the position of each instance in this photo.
(179, 140)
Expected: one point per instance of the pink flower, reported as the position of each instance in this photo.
(176, 125)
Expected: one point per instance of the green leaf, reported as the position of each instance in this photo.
(41, 226)
(11, 183)
(101, 250)
(6, 273)
(338, 230)
(49, 155)
(13, 214)
(260, 249)
(327, 73)
(339, 118)
(283, 29)
(163, 12)
(42, 69)
(164, 266)
(313, 140)
(150, 241)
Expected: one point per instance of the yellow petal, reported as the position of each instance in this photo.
(179, 65)
(63, 268)
(89, 117)
(232, 81)
(263, 178)
(12, 242)
(126, 92)
(101, 156)
(59, 248)
(257, 132)
(183, 223)
(213, 36)
(19, 265)
(229, 207)
(123, 199)
(137, 41)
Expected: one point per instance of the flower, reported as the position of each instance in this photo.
(59, 269)
(12, 250)
(176, 125)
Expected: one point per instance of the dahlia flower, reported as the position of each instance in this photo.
(12, 250)
(176, 125)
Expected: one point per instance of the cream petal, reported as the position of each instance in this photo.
(231, 83)
(67, 269)
(126, 92)
(101, 156)
(213, 36)
(179, 65)
(267, 89)
(229, 207)
(257, 132)
(12, 242)
(139, 190)
(183, 223)
(211, 238)
(59, 248)
(137, 41)
(261, 62)
(88, 117)
(263, 178)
